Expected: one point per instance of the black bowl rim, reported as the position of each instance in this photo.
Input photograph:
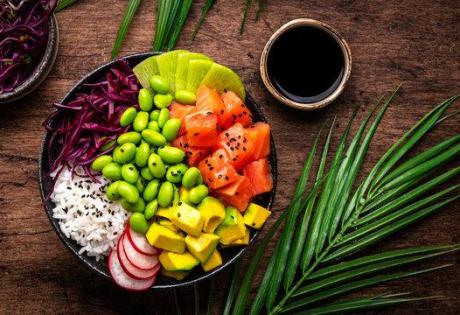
(43, 68)
(67, 241)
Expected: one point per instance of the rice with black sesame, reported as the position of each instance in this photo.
(86, 215)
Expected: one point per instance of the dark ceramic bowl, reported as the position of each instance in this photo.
(229, 255)
(41, 71)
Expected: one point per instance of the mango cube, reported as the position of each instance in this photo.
(178, 275)
(240, 242)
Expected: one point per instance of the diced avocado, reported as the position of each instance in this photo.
(214, 261)
(222, 78)
(164, 212)
(213, 212)
(167, 64)
(183, 195)
(145, 70)
(197, 69)
(188, 219)
(182, 67)
(162, 237)
(174, 261)
(255, 216)
(232, 228)
(202, 247)
(240, 242)
(169, 225)
(178, 275)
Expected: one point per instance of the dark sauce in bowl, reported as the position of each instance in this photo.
(306, 64)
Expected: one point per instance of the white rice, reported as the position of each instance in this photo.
(86, 215)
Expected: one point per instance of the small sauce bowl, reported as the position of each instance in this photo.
(276, 93)
(41, 71)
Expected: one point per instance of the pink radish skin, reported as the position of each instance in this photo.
(140, 243)
(132, 270)
(139, 260)
(123, 280)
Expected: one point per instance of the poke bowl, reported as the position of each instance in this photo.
(51, 150)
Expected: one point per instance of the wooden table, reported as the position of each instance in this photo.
(415, 42)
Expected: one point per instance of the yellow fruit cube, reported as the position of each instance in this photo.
(188, 219)
(232, 228)
(214, 261)
(255, 216)
(202, 247)
(161, 237)
(174, 261)
(178, 275)
(213, 212)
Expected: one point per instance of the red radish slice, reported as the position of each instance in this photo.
(123, 280)
(139, 260)
(140, 243)
(129, 268)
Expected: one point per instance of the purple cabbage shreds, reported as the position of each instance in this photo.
(80, 128)
(24, 33)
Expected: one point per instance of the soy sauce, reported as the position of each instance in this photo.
(305, 64)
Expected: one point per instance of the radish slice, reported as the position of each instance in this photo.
(123, 280)
(139, 260)
(129, 268)
(140, 243)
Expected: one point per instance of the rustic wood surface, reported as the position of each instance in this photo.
(416, 42)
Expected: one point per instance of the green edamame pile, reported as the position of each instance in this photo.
(145, 170)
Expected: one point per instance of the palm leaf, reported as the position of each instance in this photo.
(233, 287)
(204, 12)
(131, 9)
(63, 4)
(343, 217)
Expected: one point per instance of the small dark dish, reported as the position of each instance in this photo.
(41, 71)
(229, 255)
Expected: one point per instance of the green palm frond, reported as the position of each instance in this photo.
(336, 216)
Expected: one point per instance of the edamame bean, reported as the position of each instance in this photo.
(128, 116)
(107, 146)
(151, 190)
(185, 97)
(190, 177)
(145, 173)
(100, 162)
(124, 153)
(165, 194)
(150, 209)
(159, 84)
(198, 193)
(138, 223)
(199, 180)
(138, 206)
(163, 117)
(112, 171)
(145, 100)
(128, 192)
(129, 137)
(142, 154)
(171, 129)
(141, 121)
(171, 155)
(154, 115)
(153, 125)
(153, 138)
(130, 173)
(156, 166)
(112, 191)
(140, 185)
(162, 100)
(175, 173)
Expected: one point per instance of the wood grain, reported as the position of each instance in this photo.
(414, 41)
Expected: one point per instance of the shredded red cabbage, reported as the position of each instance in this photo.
(80, 128)
(23, 39)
